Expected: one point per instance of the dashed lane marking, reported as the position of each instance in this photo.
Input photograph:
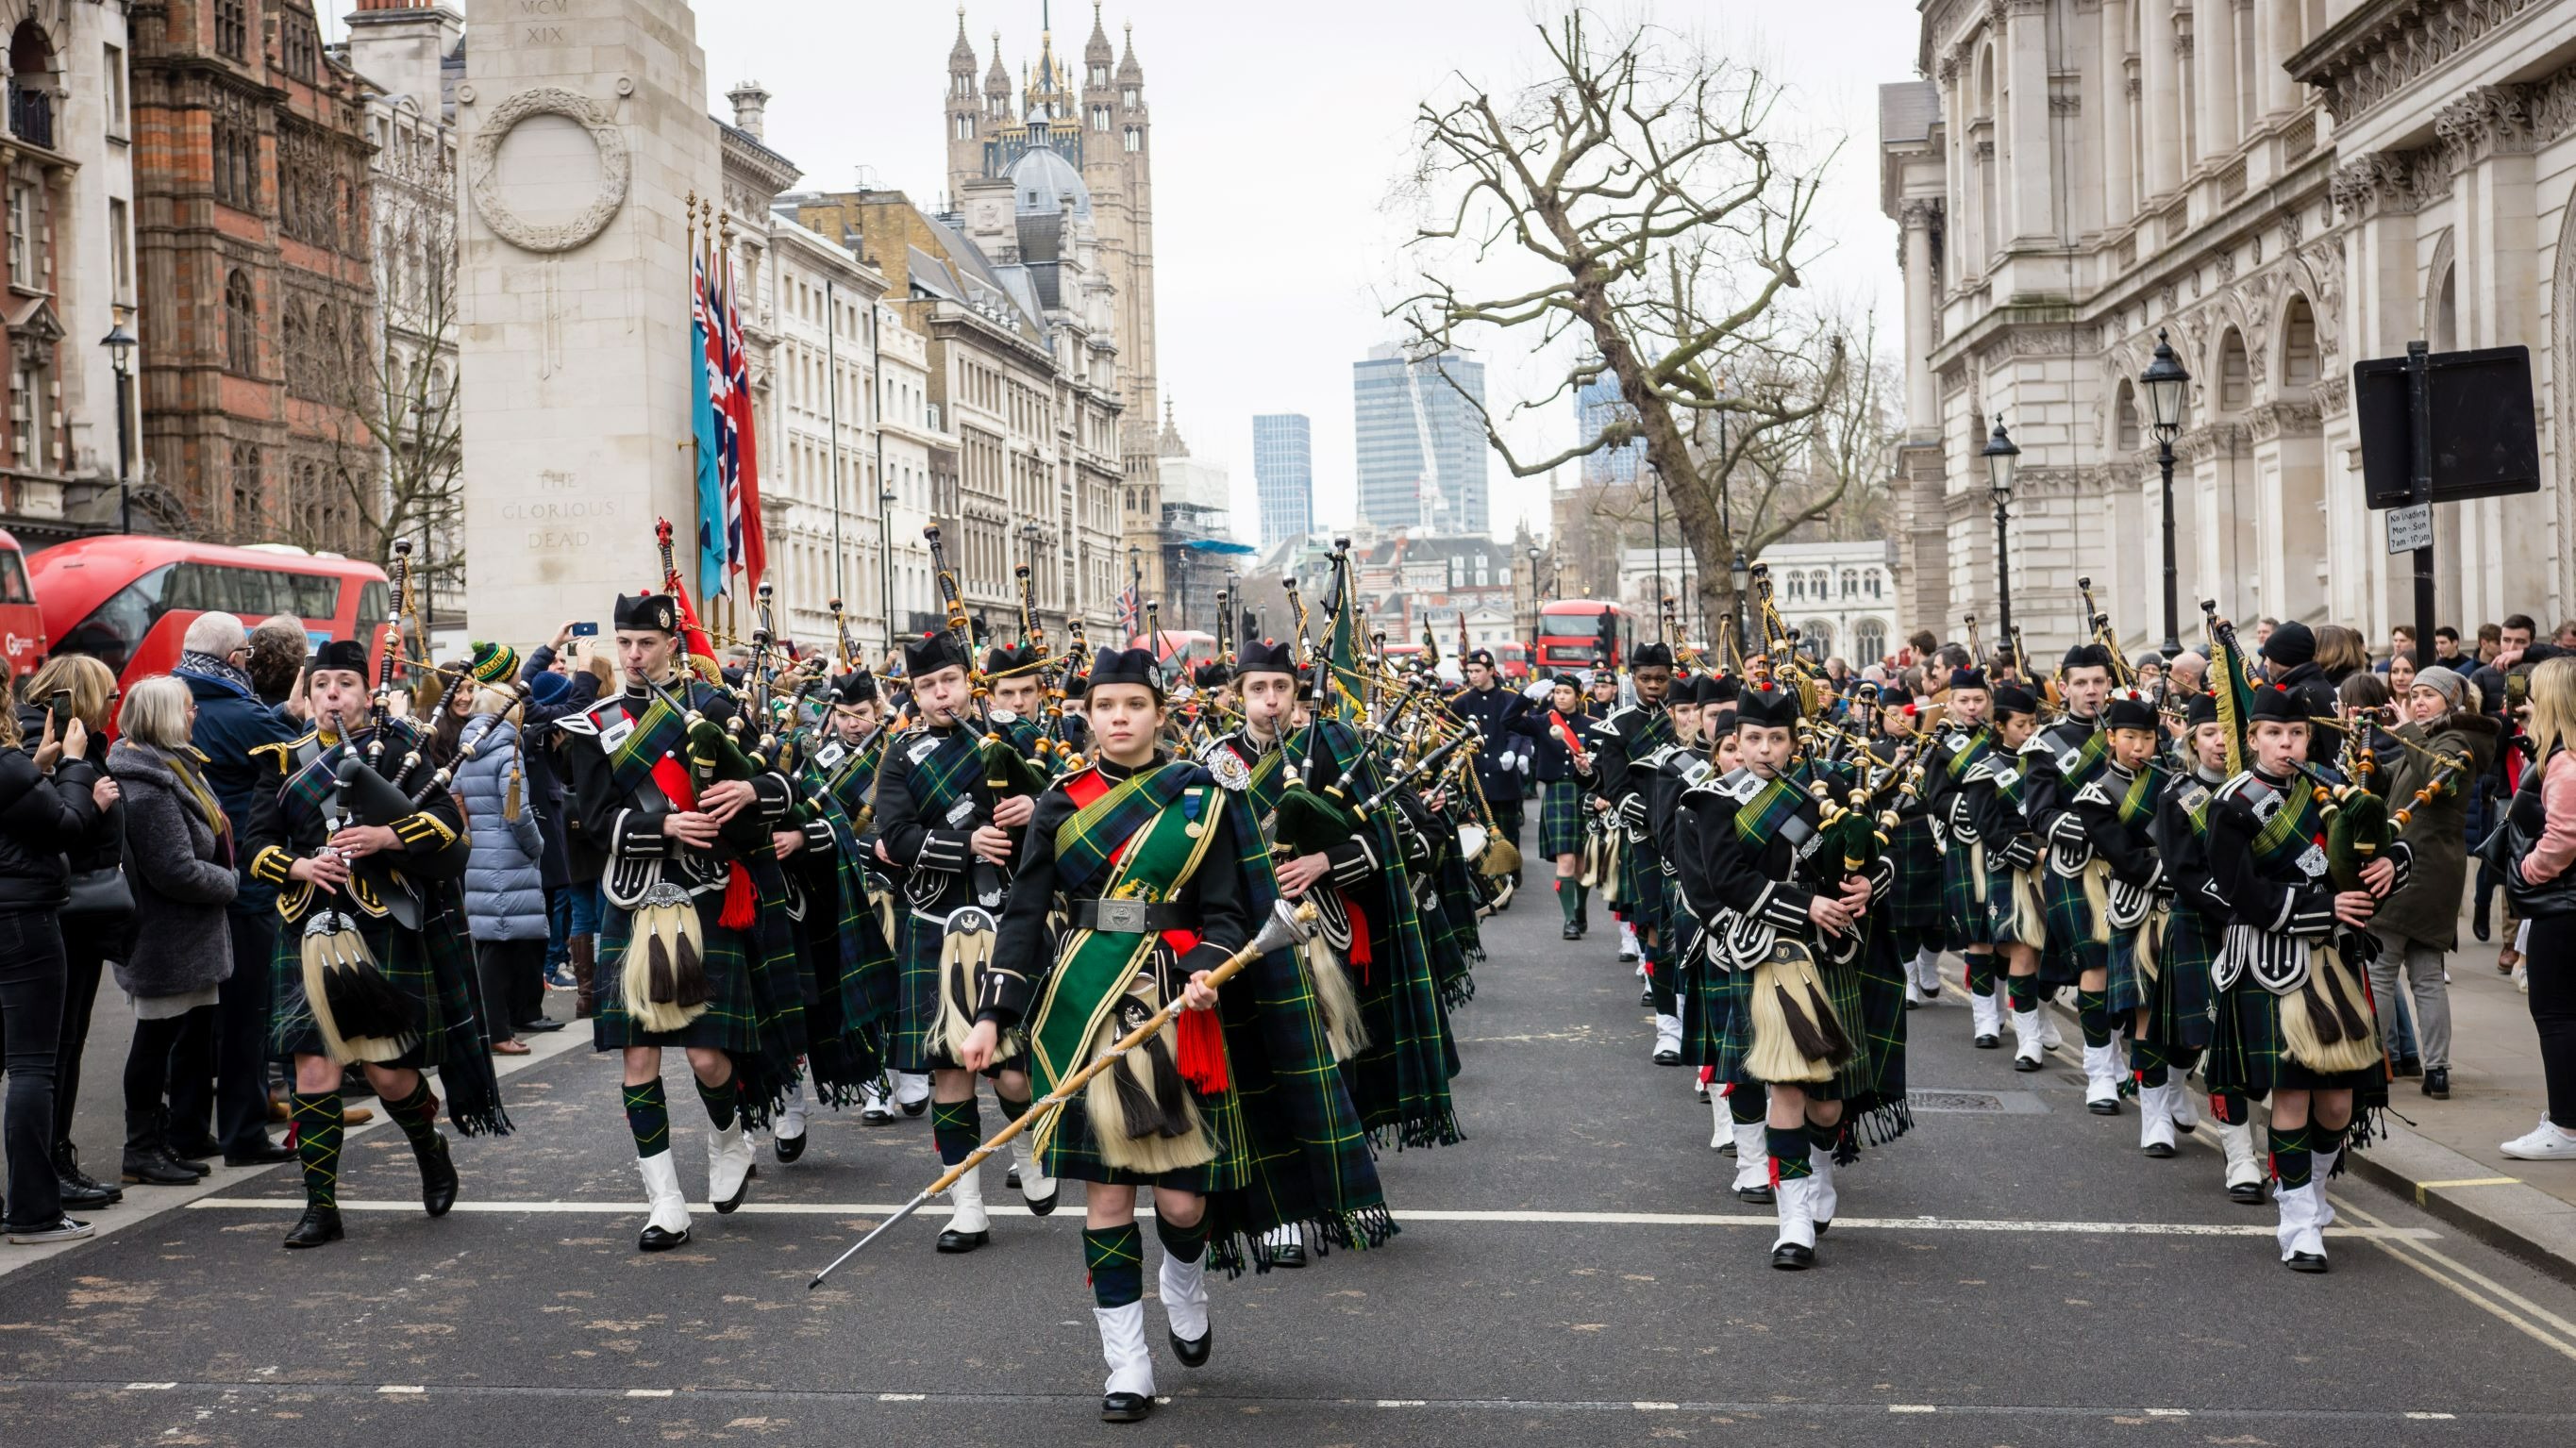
(1514, 1217)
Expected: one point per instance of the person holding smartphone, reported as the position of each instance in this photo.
(51, 797)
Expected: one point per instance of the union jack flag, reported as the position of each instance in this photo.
(729, 531)
(1131, 614)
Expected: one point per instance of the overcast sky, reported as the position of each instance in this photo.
(1278, 131)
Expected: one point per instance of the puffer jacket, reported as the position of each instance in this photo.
(181, 872)
(505, 893)
(41, 819)
(2427, 910)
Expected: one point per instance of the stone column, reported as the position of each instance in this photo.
(1922, 294)
(2276, 36)
(2505, 540)
(583, 131)
(2116, 92)
(2031, 212)
(2213, 39)
(2160, 104)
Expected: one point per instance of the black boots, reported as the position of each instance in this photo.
(318, 1225)
(147, 1154)
(80, 1191)
(437, 1176)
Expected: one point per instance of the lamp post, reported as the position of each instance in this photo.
(885, 558)
(2165, 382)
(120, 356)
(1136, 587)
(2001, 458)
(1536, 603)
(1740, 574)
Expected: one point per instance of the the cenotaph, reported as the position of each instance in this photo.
(584, 129)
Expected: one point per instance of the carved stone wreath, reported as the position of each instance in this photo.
(483, 168)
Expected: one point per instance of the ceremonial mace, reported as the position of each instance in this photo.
(1288, 925)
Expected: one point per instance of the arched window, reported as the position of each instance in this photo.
(1851, 583)
(241, 326)
(2446, 311)
(1874, 581)
(1869, 641)
(2235, 376)
(296, 340)
(327, 350)
(2298, 344)
(1797, 585)
(2124, 415)
(249, 522)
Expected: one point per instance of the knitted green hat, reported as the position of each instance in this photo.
(495, 663)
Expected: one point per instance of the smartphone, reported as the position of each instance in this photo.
(585, 630)
(60, 704)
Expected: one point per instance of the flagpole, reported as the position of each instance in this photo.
(832, 393)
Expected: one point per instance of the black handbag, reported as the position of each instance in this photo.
(2503, 849)
(100, 893)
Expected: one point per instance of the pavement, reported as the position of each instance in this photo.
(1575, 1272)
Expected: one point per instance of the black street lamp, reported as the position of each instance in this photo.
(1537, 601)
(885, 559)
(2001, 458)
(2165, 382)
(1740, 574)
(1136, 583)
(120, 356)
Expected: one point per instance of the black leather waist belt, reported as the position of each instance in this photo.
(1127, 917)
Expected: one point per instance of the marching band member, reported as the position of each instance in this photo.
(2173, 1026)
(1967, 918)
(1990, 815)
(1232, 1117)
(2118, 810)
(1497, 711)
(2057, 763)
(1560, 794)
(1628, 736)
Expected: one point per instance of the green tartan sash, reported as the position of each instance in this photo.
(1269, 776)
(1969, 753)
(2139, 801)
(1163, 849)
(658, 731)
(952, 769)
(1761, 817)
(2091, 757)
(2292, 829)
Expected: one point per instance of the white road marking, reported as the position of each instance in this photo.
(149, 1387)
(2514, 1309)
(1512, 1217)
(1908, 1407)
(649, 1392)
(402, 1388)
(2432, 1417)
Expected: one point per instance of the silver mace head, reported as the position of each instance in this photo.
(1289, 924)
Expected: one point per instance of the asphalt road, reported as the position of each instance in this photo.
(1576, 1272)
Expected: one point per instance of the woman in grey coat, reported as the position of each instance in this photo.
(505, 891)
(2419, 925)
(179, 867)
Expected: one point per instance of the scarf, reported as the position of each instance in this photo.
(208, 666)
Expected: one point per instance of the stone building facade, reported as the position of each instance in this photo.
(66, 182)
(2285, 187)
(252, 207)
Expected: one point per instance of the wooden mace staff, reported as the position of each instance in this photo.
(1288, 925)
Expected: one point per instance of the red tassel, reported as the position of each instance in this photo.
(1360, 955)
(1202, 1055)
(741, 901)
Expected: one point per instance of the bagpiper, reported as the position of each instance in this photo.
(1967, 917)
(696, 945)
(1233, 1116)
(1628, 735)
(1500, 759)
(2295, 1018)
(2057, 763)
(372, 964)
(840, 763)
(1989, 813)
(2173, 1026)
(2117, 809)
(1676, 764)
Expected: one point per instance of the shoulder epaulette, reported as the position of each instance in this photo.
(283, 752)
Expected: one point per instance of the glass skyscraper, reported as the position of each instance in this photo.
(1596, 406)
(1283, 474)
(1420, 445)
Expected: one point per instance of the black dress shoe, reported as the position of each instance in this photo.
(2103, 1108)
(915, 1108)
(1193, 1354)
(1668, 1058)
(2246, 1194)
(1910, 1003)
(195, 1152)
(2160, 1150)
(1754, 1196)
(437, 1176)
(954, 1242)
(1044, 1206)
(2024, 1063)
(155, 1168)
(1571, 932)
(2410, 1066)
(1292, 1254)
(655, 1239)
(2307, 1262)
(267, 1153)
(1989, 1042)
(317, 1226)
(1646, 999)
(1790, 1257)
(788, 1148)
(2437, 1083)
(1126, 1407)
(537, 1027)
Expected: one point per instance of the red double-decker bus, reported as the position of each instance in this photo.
(126, 599)
(22, 623)
(1582, 633)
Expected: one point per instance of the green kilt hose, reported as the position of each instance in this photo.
(1560, 818)
(755, 1012)
(434, 966)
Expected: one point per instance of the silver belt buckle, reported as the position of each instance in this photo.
(1121, 917)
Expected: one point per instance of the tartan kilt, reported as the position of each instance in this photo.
(2178, 1006)
(2068, 920)
(425, 964)
(843, 1042)
(2124, 985)
(435, 967)
(1915, 899)
(1074, 1152)
(1964, 920)
(1634, 873)
(755, 1012)
(2249, 1055)
(1715, 1001)
(1880, 1106)
(1856, 1080)
(1560, 818)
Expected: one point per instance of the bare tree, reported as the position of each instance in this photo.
(397, 455)
(1634, 201)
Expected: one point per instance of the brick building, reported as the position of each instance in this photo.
(257, 288)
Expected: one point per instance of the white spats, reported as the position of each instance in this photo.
(2048, 1033)
(2303, 1218)
(1793, 1201)
(912, 1091)
(2182, 1104)
(789, 1130)
(2243, 1168)
(1183, 1287)
(1668, 1040)
(2029, 1042)
(665, 1205)
(1927, 974)
(876, 1107)
(1752, 1155)
(1035, 1185)
(1122, 1347)
(2155, 1118)
(2102, 1076)
(967, 1197)
(728, 1166)
(1724, 1130)
(1986, 1015)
